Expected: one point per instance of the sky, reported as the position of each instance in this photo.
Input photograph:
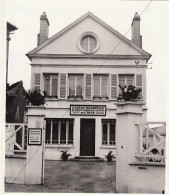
(25, 15)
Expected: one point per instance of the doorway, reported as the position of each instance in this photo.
(87, 137)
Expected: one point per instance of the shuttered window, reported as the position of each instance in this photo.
(126, 80)
(37, 81)
(113, 86)
(75, 85)
(100, 85)
(88, 86)
(51, 85)
(63, 86)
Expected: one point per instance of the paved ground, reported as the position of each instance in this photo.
(73, 177)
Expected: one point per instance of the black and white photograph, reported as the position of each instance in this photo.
(84, 96)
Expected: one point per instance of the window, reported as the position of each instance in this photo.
(59, 131)
(100, 86)
(51, 85)
(88, 43)
(75, 85)
(126, 80)
(108, 132)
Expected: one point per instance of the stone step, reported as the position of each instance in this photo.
(87, 159)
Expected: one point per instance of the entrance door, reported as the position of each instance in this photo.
(87, 137)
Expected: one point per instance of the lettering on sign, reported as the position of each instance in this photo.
(34, 136)
(88, 110)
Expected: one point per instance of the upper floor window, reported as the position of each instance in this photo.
(100, 86)
(126, 80)
(51, 85)
(75, 86)
(88, 43)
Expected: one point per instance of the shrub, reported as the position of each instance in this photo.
(129, 93)
(35, 97)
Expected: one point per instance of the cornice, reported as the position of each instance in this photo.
(89, 56)
(88, 65)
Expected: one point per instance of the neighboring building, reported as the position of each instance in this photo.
(15, 103)
(80, 68)
(15, 93)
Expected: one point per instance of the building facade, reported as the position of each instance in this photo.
(80, 68)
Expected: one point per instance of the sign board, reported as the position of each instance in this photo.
(88, 110)
(35, 136)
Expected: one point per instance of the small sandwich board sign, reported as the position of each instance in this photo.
(35, 136)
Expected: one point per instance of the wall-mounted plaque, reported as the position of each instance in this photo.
(88, 110)
(34, 136)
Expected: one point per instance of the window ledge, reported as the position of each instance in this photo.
(108, 147)
(100, 100)
(51, 99)
(58, 146)
(75, 100)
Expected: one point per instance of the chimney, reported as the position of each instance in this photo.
(44, 28)
(136, 37)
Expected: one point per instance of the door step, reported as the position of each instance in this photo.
(87, 159)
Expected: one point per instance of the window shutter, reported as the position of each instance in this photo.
(139, 82)
(114, 86)
(63, 86)
(104, 84)
(47, 85)
(88, 86)
(37, 81)
(54, 85)
(96, 85)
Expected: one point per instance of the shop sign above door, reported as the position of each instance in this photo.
(88, 110)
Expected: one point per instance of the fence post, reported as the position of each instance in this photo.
(127, 140)
(35, 157)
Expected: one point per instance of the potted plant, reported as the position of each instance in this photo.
(35, 97)
(71, 97)
(96, 97)
(130, 93)
(79, 97)
(109, 156)
(65, 155)
(104, 97)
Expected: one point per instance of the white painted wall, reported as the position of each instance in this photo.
(67, 43)
(15, 170)
(150, 180)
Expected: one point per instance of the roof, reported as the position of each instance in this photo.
(89, 14)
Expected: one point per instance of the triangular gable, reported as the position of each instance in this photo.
(133, 45)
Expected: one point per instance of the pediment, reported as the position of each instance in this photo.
(68, 40)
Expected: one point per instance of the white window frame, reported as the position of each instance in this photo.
(100, 85)
(50, 77)
(76, 83)
(50, 142)
(134, 79)
(108, 134)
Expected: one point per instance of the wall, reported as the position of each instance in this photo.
(146, 178)
(15, 171)
(53, 152)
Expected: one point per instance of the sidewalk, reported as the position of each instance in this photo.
(73, 177)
